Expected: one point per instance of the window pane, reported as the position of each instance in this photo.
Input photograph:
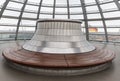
(61, 16)
(11, 13)
(15, 5)
(6, 20)
(74, 2)
(28, 22)
(112, 14)
(30, 15)
(108, 6)
(7, 32)
(94, 16)
(76, 10)
(64, 2)
(61, 10)
(76, 16)
(48, 1)
(45, 16)
(2, 2)
(92, 8)
(33, 8)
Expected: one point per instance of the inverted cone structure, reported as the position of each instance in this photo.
(59, 36)
(59, 47)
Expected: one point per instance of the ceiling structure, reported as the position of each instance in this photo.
(18, 17)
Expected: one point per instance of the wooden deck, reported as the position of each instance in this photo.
(36, 59)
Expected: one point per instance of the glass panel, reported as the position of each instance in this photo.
(28, 22)
(30, 15)
(105, 0)
(24, 29)
(6, 20)
(95, 23)
(46, 9)
(71, 2)
(2, 2)
(76, 10)
(7, 32)
(93, 16)
(113, 23)
(96, 33)
(61, 16)
(26, 32)
(114, 38)
(15, 5)
(97, 37)
(45, 16)
(64, 2)
(61, 10)
(89, 1)
(48, 1)
(7, 28)
(11, 13)
(112, 14)
(108, 6)
(92, 8)
(36, 1)
(19, 0)
(113, 30)
(76, 16)
(94, 29)
(33, 8)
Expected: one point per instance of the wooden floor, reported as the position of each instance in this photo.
(36, 59)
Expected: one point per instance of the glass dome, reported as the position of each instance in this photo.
(101, 18)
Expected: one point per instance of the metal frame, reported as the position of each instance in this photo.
(97, 19)
(54, 4)
(47, 5)
(4, 7)
(117, 4)
(92, 12)
(85, 18)
(38, 14)
(102, 16)
(20, 17)
(68, 8)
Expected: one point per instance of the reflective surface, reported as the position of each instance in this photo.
(59, 36)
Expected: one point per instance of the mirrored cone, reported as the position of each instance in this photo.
(57, 36)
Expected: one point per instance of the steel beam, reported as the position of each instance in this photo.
(101, 13)
(4, 7)
(20, 17)
(85, 18)
(38, 14)
(68, 9)
(54, 4)
(117, 4)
